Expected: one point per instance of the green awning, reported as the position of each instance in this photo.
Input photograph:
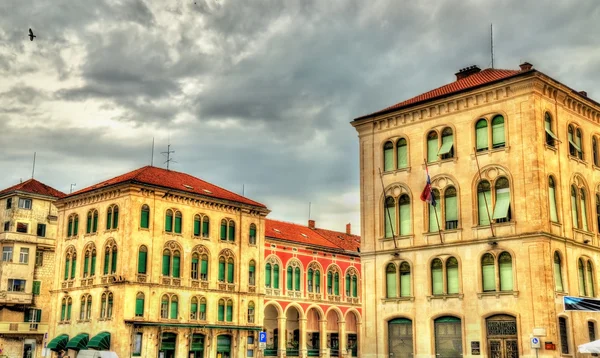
(79, 342)
(445, 148)
(549, 132)
(502, 205)
(575, 145)
(101, 342)
(59, 343)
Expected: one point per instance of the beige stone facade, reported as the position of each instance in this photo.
(29, 221)
(170, 306)
(470, 291)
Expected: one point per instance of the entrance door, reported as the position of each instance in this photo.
(502, 337)
(400, 338)
(334, 344)
(29, 348)
(353, 344)
(197, 346)
(224, 346)
(167, 345)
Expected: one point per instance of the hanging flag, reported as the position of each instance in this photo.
(427, 194)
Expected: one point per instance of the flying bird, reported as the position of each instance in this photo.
(31, 35)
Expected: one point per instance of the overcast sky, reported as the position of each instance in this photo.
(254, 93)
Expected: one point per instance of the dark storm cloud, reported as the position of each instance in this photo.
(253, 93)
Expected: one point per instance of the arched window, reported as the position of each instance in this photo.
(227, 230)
(106, 305)
(112, 217)
(110, 257)
(336, 283)
(198, 308)
(578, 142)
(388, 156)
(391, 280)
(205, 226)
(488, 272)
(481, 135)
(194, 308)
(389, 212)
(574, 207)
(558, 282)
(484, 202)
(251, 312)
(164, 307)
(447, 149)
(169, 306)
(221, 312)
(65, 309)
(171, 261)
(226, 266)
(552, 198)
(550, 136)
(92, 222)
(223, 229)
(195, 265)
(70, 263)
(595, 151)
(590, 279)
(598, 212)
(169, 220)
(584, 217)
(405, 280)
(404, 210)
(351, 283)
(252, 235)
(73, 225)
(89, 261)
(197, 225)
(231, 232)
(450, 208)
(202, 314)
(504, 275)
(432, 147)
(452, 276)
(86, 307)
(293, 276)
(574, 135)
(502, 212)
(225, 313)
(297, 278)
(498, 140)
(579, 208)
(178, 223)
(310, 279)
(437, 277)
(139, 304)
(434, 213)
(506, 271)
(252, 273)
(402, 153)
(268, 277)
(142, 259)
(145, 217)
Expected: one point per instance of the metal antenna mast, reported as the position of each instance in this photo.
(168, 154)
(492, 42)
(33, 170)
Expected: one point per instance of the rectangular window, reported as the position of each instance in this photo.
(592, 331)
(6, 225)
(9, 203)
(37, 286)
(15, 285)
(22, 227)
(250, 352)
(564, 343)
(41, 230)
(139, 307)
(39, 258)
(25, 203)
(24, 255)
(7, 254)
(137, 344)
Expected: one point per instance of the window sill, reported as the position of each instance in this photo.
(490, 151)
(147, 229)
(83, 321)
(403, 237)
(172, 233)
(497, 294)
(445, 296)
(440, 162)
(552, 148)
(105, 319)
(576, 159)
(560, 294)
(398, 299)
(395, 171)
(90, 234)
(111, 230)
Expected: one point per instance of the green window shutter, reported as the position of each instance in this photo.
(482, 197)
(506, 272)
(488, 273)
(229, 313)
(95, 224)
(231, 233)
(581, 279)
(268, 275)
(451, 208)
(390, 284)
(177, 224)
(252, 232)
(114, 262)
(194, 308)
(452, 277)
(36, 287)
(481, 133)
(221, 271)
(317, 281)
(388, 158)
(590, 280)
(329, 282)
(70, 228)
(76, 226)
(502, 203)
(498, 132)
(553, 212)
(69, 306)
(142, 255)
(447, 144)
(203, 308)
(106, 259)
(108, 219)
(437, 279)
(310, 279)
(433, 222)
(73, 267)
(63, 308)
(205, 228)
(584, 218)
(176, 268)
(402, 156)
(432, 150)
(558, 273)
(204, 267)
(168, 223)
(86, 261)
(27, 316)
(223, 231)
(139, 307)
(574, 209)
(88, 227)
(166, 265)
(145, 219)
(347, 285)
(405, 219)
(276, 276)
(289, 278)
(93, 270)
(38, 315)
(174, 309)
(390, 220)
(221, 312)
(67, 267)
(405, 284)
(230, 272)
(197, 227)
(336, 284)
(297, 279)
(116, 218)
(354, 286)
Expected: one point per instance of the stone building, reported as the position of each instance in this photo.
(29, 219)
(312, 283)
(514, 159)
(157, 263)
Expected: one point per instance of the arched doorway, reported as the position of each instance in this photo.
(333, 335)
(270, 325)
(400, 338)
(352, 333)
(292, 328)
(168, 343)
(502, 337)
(223, 346)
(313, 337)
(196, 346)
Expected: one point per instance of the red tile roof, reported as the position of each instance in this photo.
(301, 234)
(35, 187)
(484, 77)
(171, 180)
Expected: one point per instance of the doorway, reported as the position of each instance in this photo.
(502, 338)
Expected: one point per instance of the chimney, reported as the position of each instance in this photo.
(311, 224)
(526, 66)
(466, 72)
(348, 229)
(583, 93)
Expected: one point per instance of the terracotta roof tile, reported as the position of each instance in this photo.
(301, 234)
(171, 180)
(488, 75)
(35, 187)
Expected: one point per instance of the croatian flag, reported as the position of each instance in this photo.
(427, 194)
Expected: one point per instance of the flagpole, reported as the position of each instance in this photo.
(487, 209)
(437, 220)
(387, 211)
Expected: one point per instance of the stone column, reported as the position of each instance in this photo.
(302, 343)
(281, 345)
(323, 338)
(359, 337)
(343, 339)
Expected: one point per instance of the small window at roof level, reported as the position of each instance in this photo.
(303, 234)
(188, 187)
(207, 191)
(276, 230)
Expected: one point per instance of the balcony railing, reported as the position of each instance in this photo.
(8, 297)
(22, 327)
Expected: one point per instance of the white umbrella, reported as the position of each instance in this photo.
(591, 347)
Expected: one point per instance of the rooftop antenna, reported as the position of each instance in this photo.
(309, 203)
(168, 153)
(152, 158)
(33, 170)
(72, 186)
(243, 191)
(492, 42)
